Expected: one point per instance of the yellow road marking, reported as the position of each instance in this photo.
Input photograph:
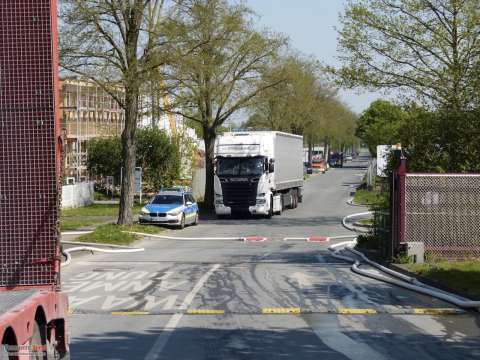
(205, 312)
(129, 313)
(351, 311)
(436, 311)
(281, 311)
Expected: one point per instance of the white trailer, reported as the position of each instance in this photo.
(258, 172)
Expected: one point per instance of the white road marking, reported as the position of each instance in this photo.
(163, 338)
(111, 302)
(330, 333)
(74, 301)
(303, 280)
(266, 255)
(343, 236)
(152, 302)
(182, 238)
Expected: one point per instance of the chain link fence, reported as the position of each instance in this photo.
(443, 213)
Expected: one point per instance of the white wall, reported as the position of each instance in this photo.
(198, 184)
(77, 195)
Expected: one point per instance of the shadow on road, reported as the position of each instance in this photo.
(250, 220)
(277, 342)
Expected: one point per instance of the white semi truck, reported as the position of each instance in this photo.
(258, 172)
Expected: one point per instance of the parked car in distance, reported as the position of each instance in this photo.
(336, 159)
(348, 158)
(307, 169)
(319, 165)
(173, 206)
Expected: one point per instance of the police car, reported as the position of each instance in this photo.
(172, 206)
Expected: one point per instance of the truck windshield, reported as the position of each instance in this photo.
(240, 166)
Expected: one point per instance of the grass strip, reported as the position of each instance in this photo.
(365, 197)
(97, 210)
(462, 276)
(116, 235)
(68, 224)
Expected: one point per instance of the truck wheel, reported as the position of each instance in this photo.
(294, 200)
(39, 338)
(279, 212)
(8, 340)
(4, 353)
(270, 212)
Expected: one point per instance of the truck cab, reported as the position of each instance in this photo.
(252, 172)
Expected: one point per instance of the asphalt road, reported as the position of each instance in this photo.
(145, 305)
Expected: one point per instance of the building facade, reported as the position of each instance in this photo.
(87, 112)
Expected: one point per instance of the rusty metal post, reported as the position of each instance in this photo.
(397, 204)
(402, 174)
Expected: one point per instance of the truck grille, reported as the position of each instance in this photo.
(239, 194)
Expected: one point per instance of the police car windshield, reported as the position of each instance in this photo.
(240, 166)
(168, 199)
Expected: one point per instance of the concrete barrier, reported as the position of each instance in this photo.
(77, 195)
(198, 184)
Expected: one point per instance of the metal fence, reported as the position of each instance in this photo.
(29, 144)
(443, 213)
(371, 175)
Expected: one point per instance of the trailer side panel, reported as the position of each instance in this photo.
(288, 161)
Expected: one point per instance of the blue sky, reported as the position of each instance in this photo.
(310, 25)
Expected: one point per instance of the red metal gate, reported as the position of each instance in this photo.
(29, 143)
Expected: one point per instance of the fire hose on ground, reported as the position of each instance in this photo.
(348, 217)
(93, 247)
(398, 279)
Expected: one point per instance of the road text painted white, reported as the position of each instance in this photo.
(162, 340)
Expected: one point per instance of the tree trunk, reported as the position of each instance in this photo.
(326, 150)
(125, 215)
(310, 148)
(209, 139)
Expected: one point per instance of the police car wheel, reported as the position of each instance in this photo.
(182, 222)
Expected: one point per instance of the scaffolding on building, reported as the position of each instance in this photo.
(87, 111)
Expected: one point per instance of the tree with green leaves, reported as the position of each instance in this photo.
(116, 44)
(157, 154)
(288, 106)
(222, 75)
(380, 124)
(104, 157)
(304, 103)
(441, 141)
(427, 49)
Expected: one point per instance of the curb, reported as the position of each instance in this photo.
(275, 311)
(351, 203)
